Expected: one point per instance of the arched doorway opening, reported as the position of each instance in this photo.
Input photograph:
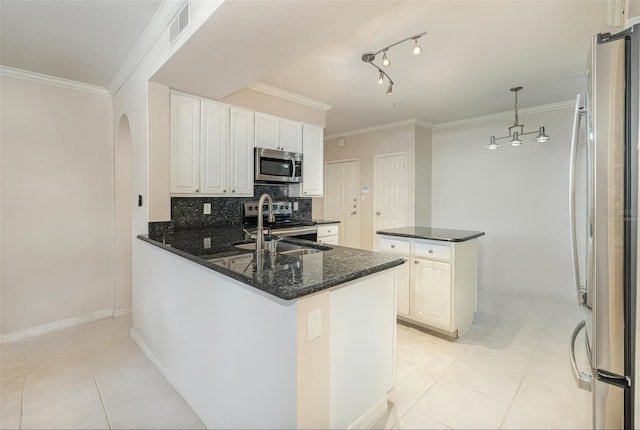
(122, 218)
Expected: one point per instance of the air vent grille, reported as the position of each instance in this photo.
(179, 23)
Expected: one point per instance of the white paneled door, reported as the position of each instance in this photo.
(391, 191)
(342, 181)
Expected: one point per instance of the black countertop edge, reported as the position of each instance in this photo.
(429, 233)
(290, 291)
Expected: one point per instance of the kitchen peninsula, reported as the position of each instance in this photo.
(298, 339)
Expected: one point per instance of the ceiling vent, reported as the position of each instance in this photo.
(179, 23)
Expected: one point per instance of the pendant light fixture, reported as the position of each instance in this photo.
(516, 131)
(369, 57)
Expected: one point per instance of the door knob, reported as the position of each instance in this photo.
(378, 213)
(353, 213)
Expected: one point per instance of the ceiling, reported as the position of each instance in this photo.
(81, 40)
(474, 52)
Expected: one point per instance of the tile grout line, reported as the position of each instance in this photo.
(24, 381)
(95, 380)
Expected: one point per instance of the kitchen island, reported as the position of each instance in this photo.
(438, 288)
(272, 340)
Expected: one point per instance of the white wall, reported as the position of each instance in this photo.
(518, 196)
(57, 204)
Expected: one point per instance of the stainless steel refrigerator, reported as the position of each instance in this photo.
(603, 212)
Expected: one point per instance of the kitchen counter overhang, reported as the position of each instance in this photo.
(284, 276)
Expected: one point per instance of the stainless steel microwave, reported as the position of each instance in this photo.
(278, 166)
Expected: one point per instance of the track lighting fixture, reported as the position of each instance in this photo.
(369, 57)
(515, 135)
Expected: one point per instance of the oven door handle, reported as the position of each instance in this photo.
(295, 231)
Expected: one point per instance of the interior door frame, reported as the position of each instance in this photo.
(324, 206)
(375, 194)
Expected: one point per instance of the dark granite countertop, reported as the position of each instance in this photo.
(284, 276)
(324, 221)
(431, 233)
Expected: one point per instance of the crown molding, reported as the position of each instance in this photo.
(154, 29)
(288, 95)
(380, 127)
(52, 80)
(506, 115)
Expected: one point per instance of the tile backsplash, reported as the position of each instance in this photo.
(188, 211)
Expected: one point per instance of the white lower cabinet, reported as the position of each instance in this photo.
(437, 286)
(432, 292)
(328, 234)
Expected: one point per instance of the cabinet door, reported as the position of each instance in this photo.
(290, 135)
(241, 150)
(184, 144)
(432, 293)
(403, 274)
(312, 160)
(215, 147)
(267, 133)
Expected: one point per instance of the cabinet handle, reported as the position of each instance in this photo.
(431, 251)
(416, 262)
(328, 231)
(378, 213)
(224, 191)
(197, 190)
(233, 191)
(393, 246)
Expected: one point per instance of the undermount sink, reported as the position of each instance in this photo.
(285, 248)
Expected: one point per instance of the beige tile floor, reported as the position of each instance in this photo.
(510, 371)
(86, 377)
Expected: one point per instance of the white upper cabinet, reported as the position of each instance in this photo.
(277, 133)
(312, 160)
(184, 144)
(215, 147)
(211, 148)
(290, 135)
(241, 149)
(267, 131)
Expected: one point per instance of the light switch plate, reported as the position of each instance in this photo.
(207, 209)
(315, 324)
(295, 206)
(207, 242)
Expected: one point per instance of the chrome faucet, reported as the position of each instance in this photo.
(272, 218)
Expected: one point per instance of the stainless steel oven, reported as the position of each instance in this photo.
(277, 166)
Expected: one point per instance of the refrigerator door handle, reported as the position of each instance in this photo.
(577, 119)
(583, 380)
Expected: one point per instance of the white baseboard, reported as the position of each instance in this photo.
(117, 313)
(152, 358)
(369, 418)
(56, 325)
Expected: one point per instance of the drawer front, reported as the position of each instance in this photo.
(328, 240)
(432, 250)
(327, 230)
(396, 246)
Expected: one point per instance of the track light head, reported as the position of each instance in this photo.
(492, 143)
(416, 48)
(381, 78)
(385, 59)
(390, 89)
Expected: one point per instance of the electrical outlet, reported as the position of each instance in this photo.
(295, 206)
(315, 324)
(207, 242)
(207, 209)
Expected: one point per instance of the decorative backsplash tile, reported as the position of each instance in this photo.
(187, 212)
